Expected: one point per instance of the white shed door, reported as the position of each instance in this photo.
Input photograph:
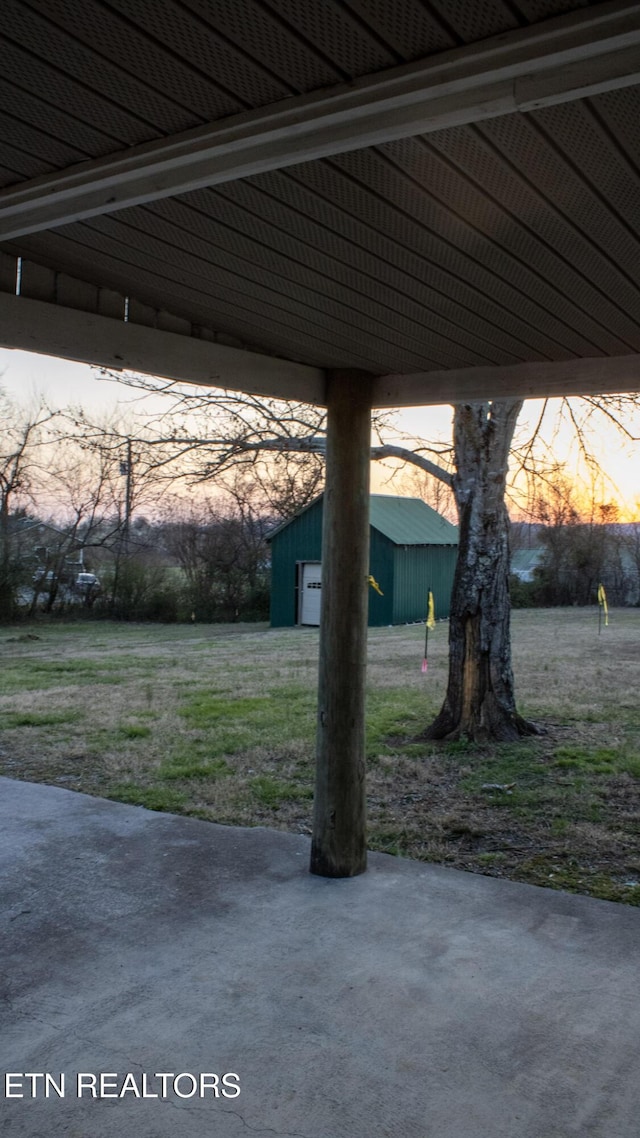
(310, 592)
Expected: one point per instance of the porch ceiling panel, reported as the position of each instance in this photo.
(498, 241)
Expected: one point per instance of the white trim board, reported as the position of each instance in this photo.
(604, 375)
(53, 330)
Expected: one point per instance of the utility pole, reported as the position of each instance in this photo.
(126, 468)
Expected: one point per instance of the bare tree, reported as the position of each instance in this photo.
(631, 546)
(23, 441)
(203, 437)
(480, 698)
(584, 545)
(434, 491)
(200, 437)
(220, 545)
(80, 490)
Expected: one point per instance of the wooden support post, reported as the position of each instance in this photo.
(339, 844)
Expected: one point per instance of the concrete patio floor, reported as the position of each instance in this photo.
(414, 1001)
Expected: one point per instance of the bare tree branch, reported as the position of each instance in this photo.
(415, 458)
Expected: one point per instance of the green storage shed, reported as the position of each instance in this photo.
(413, 550)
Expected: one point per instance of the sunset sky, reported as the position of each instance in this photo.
(23, 374)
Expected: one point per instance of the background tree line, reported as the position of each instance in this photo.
(84, 497)
(574, 553)
(90, 526)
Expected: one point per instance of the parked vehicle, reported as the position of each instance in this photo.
(87, 581)
(43, 579)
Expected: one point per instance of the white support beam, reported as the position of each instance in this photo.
(50, 329)
(609, 375)
(583, 53)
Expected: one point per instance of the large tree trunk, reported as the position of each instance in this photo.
(480, 700)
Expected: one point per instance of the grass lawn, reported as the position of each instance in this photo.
(218, 722)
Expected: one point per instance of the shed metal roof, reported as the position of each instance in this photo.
(405, 521)
(445, 195)
(410, 521)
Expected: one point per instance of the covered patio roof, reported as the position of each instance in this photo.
(354, 203)
(443, 195)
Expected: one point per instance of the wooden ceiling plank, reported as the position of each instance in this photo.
(586, 52)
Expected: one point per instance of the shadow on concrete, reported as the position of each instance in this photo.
(414, 1001)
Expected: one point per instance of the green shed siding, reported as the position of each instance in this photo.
(418, 569)
(381, 568)
(301, 540)
(405, 570)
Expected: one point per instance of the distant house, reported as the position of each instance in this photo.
(413, 550)
(524, 563)
(47, 550)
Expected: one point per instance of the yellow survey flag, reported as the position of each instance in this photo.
(431, 612)
(602, 601)
(374, 585)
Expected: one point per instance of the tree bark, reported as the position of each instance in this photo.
(6, 583)
(480, 700)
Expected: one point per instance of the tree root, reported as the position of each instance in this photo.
(505, 728)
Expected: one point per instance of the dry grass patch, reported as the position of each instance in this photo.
(219, 722)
